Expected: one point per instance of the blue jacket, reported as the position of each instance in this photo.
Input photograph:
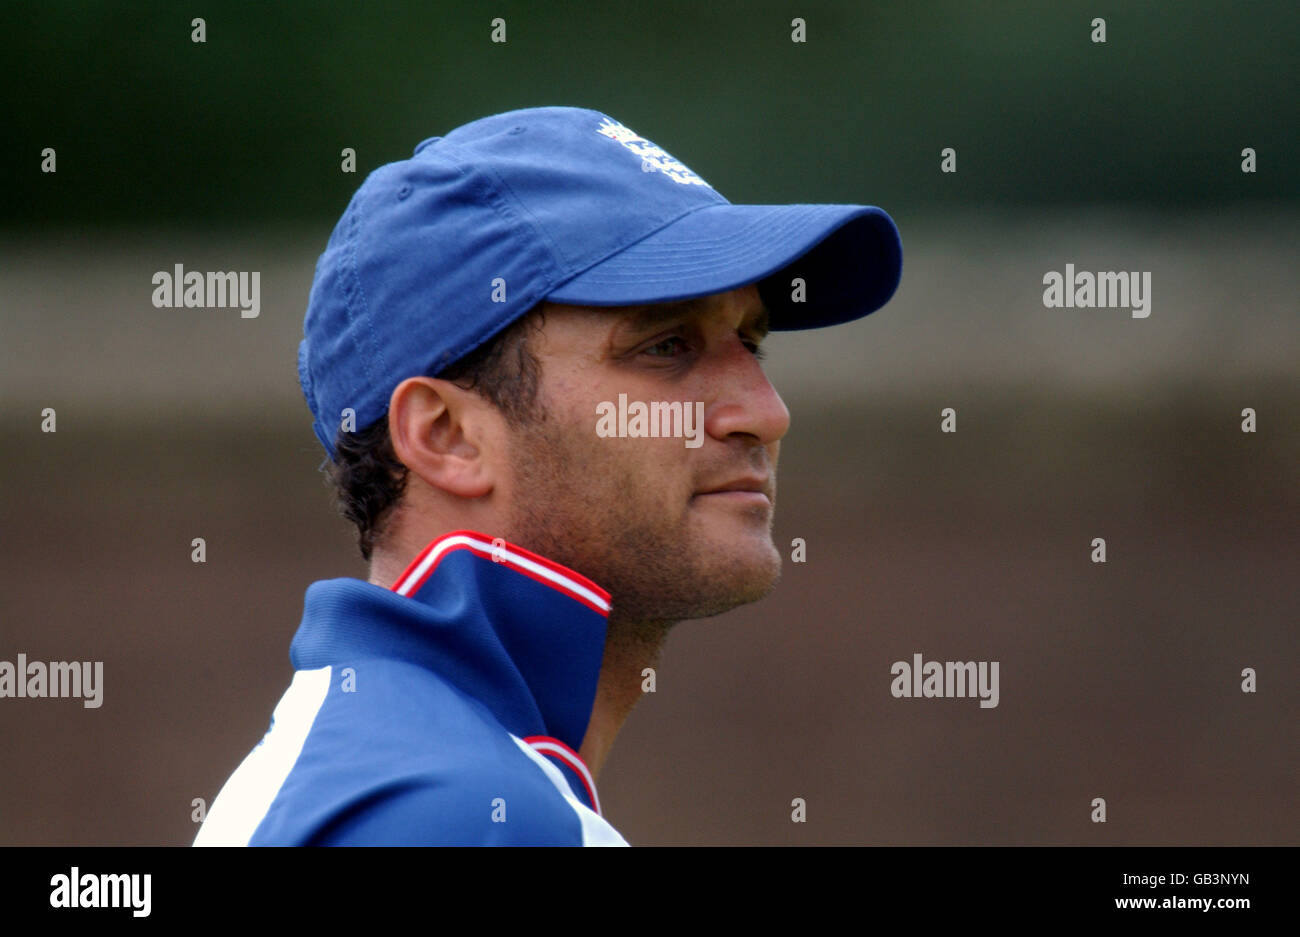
(447, 710)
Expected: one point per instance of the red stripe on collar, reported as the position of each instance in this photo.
(549, 573)
(545, 745)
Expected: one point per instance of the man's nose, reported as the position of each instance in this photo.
(742, 399)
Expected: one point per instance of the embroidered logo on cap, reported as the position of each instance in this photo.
(653, 158)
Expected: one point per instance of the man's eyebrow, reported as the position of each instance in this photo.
(645, 317)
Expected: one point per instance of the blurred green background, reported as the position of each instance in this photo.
(241, 129)
(1118, 681)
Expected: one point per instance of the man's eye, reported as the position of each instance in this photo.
(660, 349)
(756, 350)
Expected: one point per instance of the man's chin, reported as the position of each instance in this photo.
(741, 569)
(706, 576)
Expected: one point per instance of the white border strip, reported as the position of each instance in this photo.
(243, 802)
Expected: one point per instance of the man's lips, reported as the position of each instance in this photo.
(741, 490)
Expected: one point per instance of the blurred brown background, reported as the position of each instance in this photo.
(1119, 680)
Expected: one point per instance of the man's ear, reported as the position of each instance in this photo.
(444, 434)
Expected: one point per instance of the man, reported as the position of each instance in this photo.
(531, 352)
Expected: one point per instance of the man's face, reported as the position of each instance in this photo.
(641, 516)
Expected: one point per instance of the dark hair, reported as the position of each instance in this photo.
(369, 478)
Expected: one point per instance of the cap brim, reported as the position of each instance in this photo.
(849, 257)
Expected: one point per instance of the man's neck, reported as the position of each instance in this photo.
(385, 568)
(630, 648)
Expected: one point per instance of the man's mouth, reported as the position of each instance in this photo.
(747, 490)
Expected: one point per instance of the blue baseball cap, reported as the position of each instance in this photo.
(438, 253)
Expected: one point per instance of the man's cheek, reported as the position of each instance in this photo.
(645, 487)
